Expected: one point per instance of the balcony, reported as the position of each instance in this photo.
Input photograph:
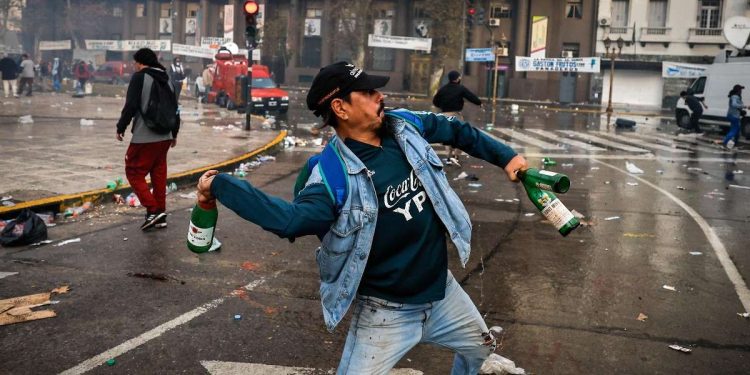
(655, 35)
(704, 35)
(623, 32)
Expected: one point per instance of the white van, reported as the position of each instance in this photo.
(719, 79)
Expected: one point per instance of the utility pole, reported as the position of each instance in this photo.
(251, 10)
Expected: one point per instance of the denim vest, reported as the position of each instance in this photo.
(343, 252)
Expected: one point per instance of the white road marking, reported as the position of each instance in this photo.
(572, 142)
(239, 368)
(6, 274)
(635, 157)
(135, 342)
(642, 143)
(721, 252)
(683, 143)
(602, 141)
(518, 135)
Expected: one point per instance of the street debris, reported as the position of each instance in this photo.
(642, 317)
(695, 169)
(111, 362)
(548, 162)
(466, 176)
(669, 287)
(40, 243)
(6, 274)
(739, 171)
(114, 184)
(191, 195)
(659, 171)
(632, 168)
(237, 317)
(132, 200)
(26, 119)
(594, 168)
(77, 210)
(18, 309)
(62, 243)
(475, 185)
(86, 122)
(740, 187)
(611, 218)
(680, 348)
(567, 165)
(529, 214)
(744, 315)
(680, 188)
(694, 253)
(155, 276)
(499, 365)
(632, 184)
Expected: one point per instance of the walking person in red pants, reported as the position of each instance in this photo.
(152, 107)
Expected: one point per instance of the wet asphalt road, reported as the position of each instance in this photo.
(568, 305)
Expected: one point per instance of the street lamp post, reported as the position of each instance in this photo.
(612, 54)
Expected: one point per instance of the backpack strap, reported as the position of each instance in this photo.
(148, 81)
(410, 117)
(332, 171)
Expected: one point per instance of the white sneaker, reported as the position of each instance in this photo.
(730, 144)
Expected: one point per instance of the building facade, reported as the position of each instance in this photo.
(655, 31)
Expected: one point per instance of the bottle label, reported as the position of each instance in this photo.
(557, 213)
(547, 173)
(200, 237)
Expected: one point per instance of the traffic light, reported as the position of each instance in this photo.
(480, 16)
(251, 26)
(470, 12)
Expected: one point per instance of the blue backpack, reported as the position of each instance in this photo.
(332, 168)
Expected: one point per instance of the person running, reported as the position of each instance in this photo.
(734, 115)
(696, 106)
(384, 249)
(450, 100)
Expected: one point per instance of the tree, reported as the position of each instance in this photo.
(446, 46)
(6, 8)
(352, 20)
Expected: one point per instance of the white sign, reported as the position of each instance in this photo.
(580, 64)
(539, 36)
(165, 25)
(312, 26)
(128, 45)
(256, 54)
(682, 70)
(214, 41)
(229, 22)
(196, 51)
(382, 27)
(50, 45)
(479, 54)
(400, 42)
(191, 25)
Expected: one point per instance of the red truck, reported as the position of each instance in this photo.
(267, 97)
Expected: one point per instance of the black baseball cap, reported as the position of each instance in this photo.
(338, 80)
(738, 87)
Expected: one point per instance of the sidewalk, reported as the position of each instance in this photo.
(59, 158)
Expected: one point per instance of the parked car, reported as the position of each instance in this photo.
(115, 72)
(714, 86)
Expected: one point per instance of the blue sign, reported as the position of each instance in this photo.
(479, 54)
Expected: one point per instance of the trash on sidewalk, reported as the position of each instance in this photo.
(611, 218)
(632, 184)
(548, 162)
(680, 188)
(739, 171)
(529, 214)
(111, 362)
(695, 169)
(744, 315)
(624, 123)
(215, 245)
(266, 158)
(26, 119)
(317, 141)
(118, 199)
(739, 187)
(8, 203)
(172, 187)
(466, 176)
(669, 287)
(26, 228)
(475, 185)
(77, 210)
(114, 184)
(86, 122)
(499, 365)
(632, 168)
(40, 243)
(642, 317)
(72, 240)
(680, 348)
(191, 195)
(132, 200)
(18, 309)
(237, 317)
(695, 253)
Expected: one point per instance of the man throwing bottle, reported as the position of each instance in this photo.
(384, 248)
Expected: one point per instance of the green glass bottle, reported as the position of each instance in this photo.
(549, 205)
(546, 180)
(200, 235)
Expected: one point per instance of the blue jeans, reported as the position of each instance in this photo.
(734, 130)
(382, 332)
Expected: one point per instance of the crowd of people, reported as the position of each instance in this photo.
(21, 75)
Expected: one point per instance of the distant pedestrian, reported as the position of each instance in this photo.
(82, 74)
(208, 78)
(696, 106)
(44, 73)
(177, 75)
(152, 134)
(27, 75)
(56, 74)
(450, 100)
(9, 71)
(734, 114)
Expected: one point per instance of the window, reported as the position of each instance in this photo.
(571, 50)
(192, 10)
(314, 13)
(699, 85)
(574, 9)
(166, 10)
(620, 13)
(140, 10)
(501, 11)
(116, 11)
(311, 52)
(710, 14)
(657, 13)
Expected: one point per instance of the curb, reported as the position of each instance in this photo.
(60, 202)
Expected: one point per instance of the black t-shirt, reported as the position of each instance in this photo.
(694, 103)
(408, 260)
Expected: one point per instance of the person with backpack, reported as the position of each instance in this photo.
(378, 199)
(151, 105)
(177, 75)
